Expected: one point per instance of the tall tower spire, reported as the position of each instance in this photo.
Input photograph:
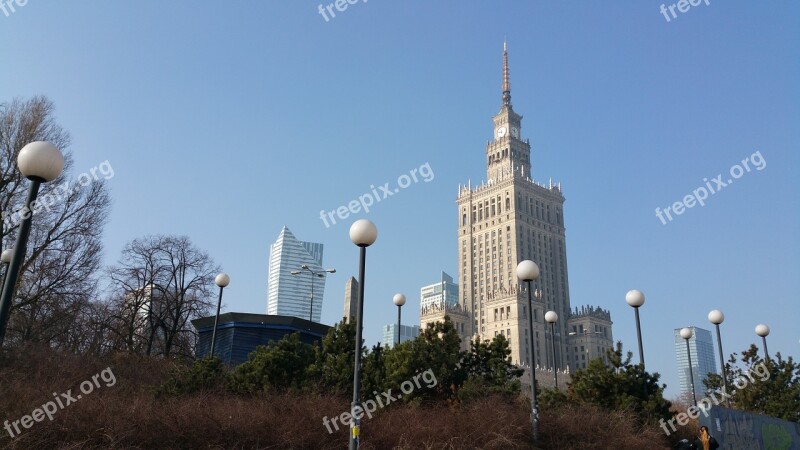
(506, 83)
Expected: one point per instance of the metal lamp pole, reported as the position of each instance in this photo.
(528, 271)
(716, 317)
(39, 162)
(686, 334)
(314, 273)
(222, 280)
(763, 331)
(5, 259)
(363, 233)
(635, 298)
(552, 317)
(399, 300)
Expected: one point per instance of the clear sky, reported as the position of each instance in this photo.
(224, 121)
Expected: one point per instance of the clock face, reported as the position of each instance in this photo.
(501, 131)
(514, 132)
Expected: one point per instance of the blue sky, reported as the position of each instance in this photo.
(225, 121)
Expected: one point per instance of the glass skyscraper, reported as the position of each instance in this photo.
(290, 295)
(443, 292)
(407, 333)
(703, 360)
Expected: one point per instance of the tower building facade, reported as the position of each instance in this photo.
(289, 295)
(507, 219)
(703, 360)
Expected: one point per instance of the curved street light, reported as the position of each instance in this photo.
(314, 273)
(528, 271)
(39, 162)
(635, 299)
(686, 334)
(399, 300)
(716, 317)
(363, 233)
(222, 280)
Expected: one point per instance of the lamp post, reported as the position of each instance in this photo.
(763, 331)
(635, 299)
(686, 334)
(314, 273)
(222, 280)
(39, 162)
(716, 317)
(363, 233)
(528, 271)
(551, 317)
(586, 336)
(5, 258)
(399, 300)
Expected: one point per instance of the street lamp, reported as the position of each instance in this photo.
(528, 271)
(314, 273)
(716, 317)
(363, 233)
(763, 331)
(39, 162)
(686, 334)
(5, 258)
(635, 298)
(399, 300)
(586, 334)
(551, 317)
(222, 280)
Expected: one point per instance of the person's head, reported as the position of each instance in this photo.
(704, 431)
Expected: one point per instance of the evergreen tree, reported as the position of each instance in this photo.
(332, 368)
(620, 385)
(489, 368)
(769, 387)
(280, 365)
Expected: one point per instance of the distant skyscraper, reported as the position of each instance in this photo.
(444, 291)
(287, 294)
(507, 219)
(350, 299)
(441, 299)
(703, 360)
(407, 333)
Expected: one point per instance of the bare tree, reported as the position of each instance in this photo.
(160, 284)
(58, 278)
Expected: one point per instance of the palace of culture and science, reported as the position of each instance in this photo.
(508, 219)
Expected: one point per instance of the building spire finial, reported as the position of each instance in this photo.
(506, 83)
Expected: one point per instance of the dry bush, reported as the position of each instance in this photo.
(130, 415)
(588, 426)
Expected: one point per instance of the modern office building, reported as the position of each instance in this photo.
(350, 300)
(703, 361)
(444, 291)
(407, 333)
(291, 295)
(509, 218)
(238, 334)
(441, 299)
